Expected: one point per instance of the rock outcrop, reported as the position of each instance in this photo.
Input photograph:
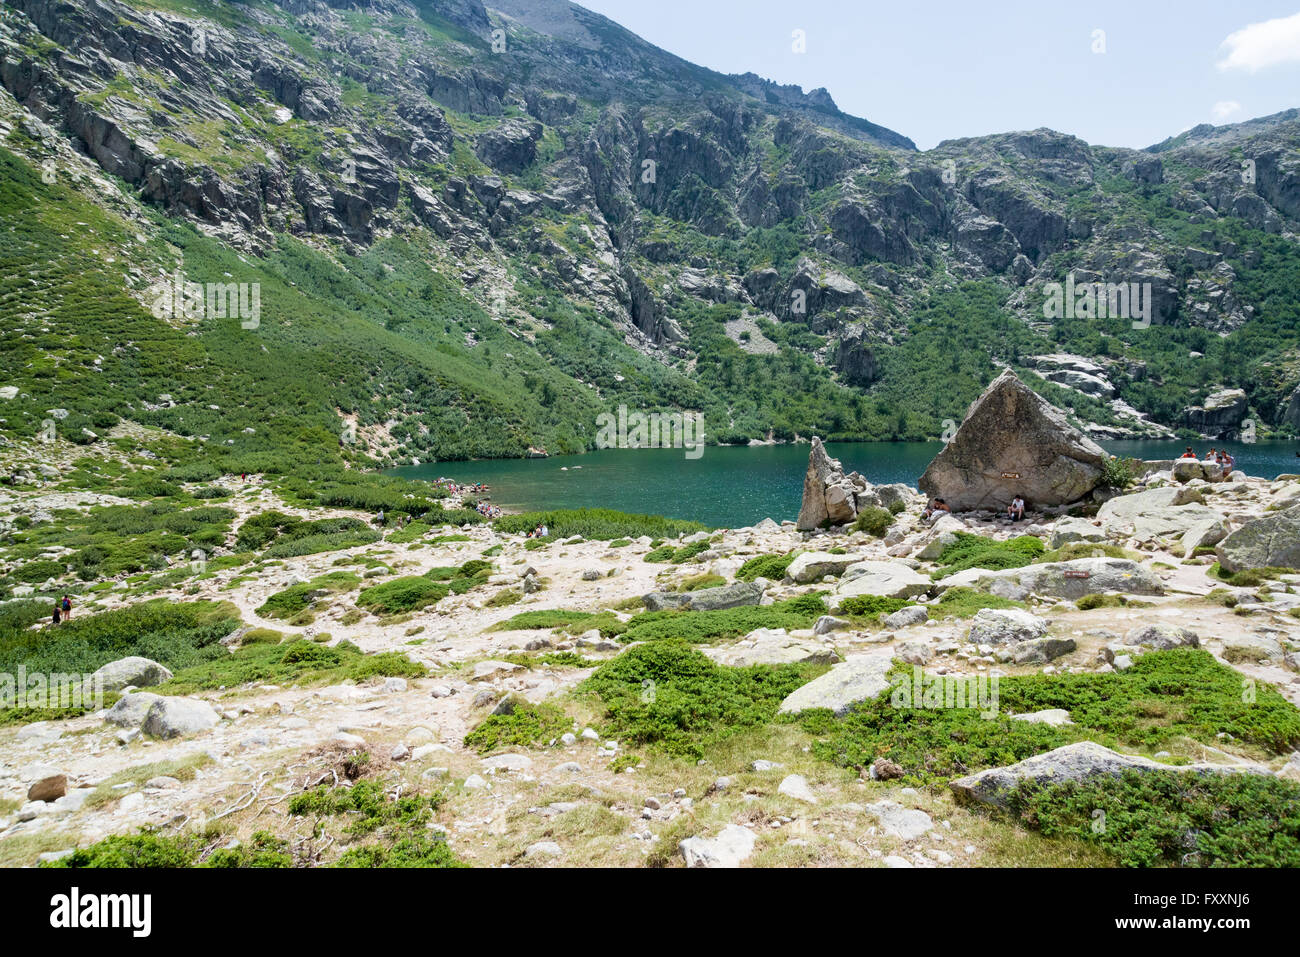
(1012, 442)
(829, 496)
(1271, 541)
(1073, 762)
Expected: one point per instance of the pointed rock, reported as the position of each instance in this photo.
(1013, 441)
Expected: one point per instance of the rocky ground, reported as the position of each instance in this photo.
(762, 798)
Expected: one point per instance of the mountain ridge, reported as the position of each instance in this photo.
(581, 219)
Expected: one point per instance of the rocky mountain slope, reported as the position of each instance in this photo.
(475, 227)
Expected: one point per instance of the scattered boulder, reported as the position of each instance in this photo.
(1162, 637)
(728, 849)
(814, 566)
(1012, 442)
(770, 647)
(51, 787)
(1036, 651)
(1055, 717)
(131, 671)
(1005, 626)
(130, 710)
(796, 786)
(830, 497)
(176, 717)
(857, 678)
(706, 599)
(1068, 530)
(1271, 541)
(890, 579)
(911, 615)
(1072, 762)
(1073, 579)
(904, 823)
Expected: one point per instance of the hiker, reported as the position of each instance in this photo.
(66, 605)
(1016, 510)
(380, 518)
(57, 610)
(1189, 454)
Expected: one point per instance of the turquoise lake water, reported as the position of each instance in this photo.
(732, 486)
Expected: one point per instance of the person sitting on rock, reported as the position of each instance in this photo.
(1189, 454)
(934, 509)
(1016, 510)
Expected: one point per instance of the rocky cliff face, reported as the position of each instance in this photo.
(541, 141)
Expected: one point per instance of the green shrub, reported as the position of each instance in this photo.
(771, 567)
(410, 593)
(1165, 695)
(719, 624)
(872, 606)
(1117, 473)
(1172, 819)
(522, 725)
(296, 598)
(175, 634)
(33, 573)
(668, 696)
(976, 551)
(874, 521)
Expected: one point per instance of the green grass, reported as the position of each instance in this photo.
(542, 619)
(597, 524)
(966, 602)
(175, 634)
(297, 662)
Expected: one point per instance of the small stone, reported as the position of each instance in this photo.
(543, 849)
(796, 786)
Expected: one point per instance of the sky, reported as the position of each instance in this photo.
(1113, 73)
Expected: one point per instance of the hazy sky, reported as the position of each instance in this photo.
(936, 70)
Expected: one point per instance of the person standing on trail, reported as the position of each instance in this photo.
(57, 610)
(66, 605)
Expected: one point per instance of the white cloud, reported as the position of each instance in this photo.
(1261, 45)
(1224, 109)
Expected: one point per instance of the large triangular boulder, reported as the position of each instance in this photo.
(1011, 442)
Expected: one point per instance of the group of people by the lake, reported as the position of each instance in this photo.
(488, 511)
(1220, 457)
(455, 488)
(541, 531)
